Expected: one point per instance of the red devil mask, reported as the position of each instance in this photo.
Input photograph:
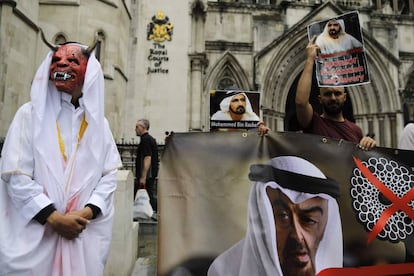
(68, 67)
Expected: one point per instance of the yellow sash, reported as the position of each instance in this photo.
(82, 129)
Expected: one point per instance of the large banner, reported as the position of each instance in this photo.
(209, 201)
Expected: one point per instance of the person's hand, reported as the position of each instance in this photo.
(367, 143)
(312, 50)
(68, 226)
(262, 128)
(85, 213)
(142, 183)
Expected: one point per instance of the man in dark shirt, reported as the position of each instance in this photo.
(331, 123)
(147, 162)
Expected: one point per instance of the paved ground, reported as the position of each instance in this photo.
(146, 264)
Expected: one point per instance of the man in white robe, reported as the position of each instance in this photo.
(406, 140)
(58, 172)
(334, 39)
(235, 107)
(262, 251)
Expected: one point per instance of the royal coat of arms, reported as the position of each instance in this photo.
(160, 28)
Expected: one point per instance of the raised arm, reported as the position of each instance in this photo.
(304, 110)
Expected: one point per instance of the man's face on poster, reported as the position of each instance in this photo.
(299, 230)
(332, 99)
(238, 104)
(67, 69)
(334, 28)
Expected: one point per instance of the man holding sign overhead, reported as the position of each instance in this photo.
(331, 123)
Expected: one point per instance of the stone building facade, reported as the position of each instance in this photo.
(161, 58)
(22, 49)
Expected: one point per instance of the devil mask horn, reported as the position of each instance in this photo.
(94, 43)
(50, 45)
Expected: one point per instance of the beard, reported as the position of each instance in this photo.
(333, 32)
(333, 109)
(239, 110)
(293, 264)
(299, 272)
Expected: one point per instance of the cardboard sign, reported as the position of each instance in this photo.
(234, 109)
(342, 60)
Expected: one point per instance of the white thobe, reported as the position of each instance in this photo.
(225, 116)
(34, 175)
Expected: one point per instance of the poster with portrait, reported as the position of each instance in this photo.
(214, 205)
(342, 60)
(234, 109)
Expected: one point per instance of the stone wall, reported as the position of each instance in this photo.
(124, 247)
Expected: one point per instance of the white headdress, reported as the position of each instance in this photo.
(257, 253)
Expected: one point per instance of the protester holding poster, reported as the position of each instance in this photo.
(294, 223)
(331, 123)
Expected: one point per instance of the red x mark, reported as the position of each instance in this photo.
(397, 203)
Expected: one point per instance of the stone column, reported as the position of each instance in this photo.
(378, 4)
(381, 127)
(393, 128)
(370, 125)
(124, 244)
(198, 63)
(410, 107)
(395, 6)
(197, 68)
(6, 11)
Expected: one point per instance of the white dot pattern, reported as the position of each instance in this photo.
(370, 203)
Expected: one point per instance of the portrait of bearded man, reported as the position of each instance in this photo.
(334, 39)
(294, 226)
(235, 106)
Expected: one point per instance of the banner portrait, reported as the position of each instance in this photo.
(234, 109)
(342, 60)
(225, 204)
